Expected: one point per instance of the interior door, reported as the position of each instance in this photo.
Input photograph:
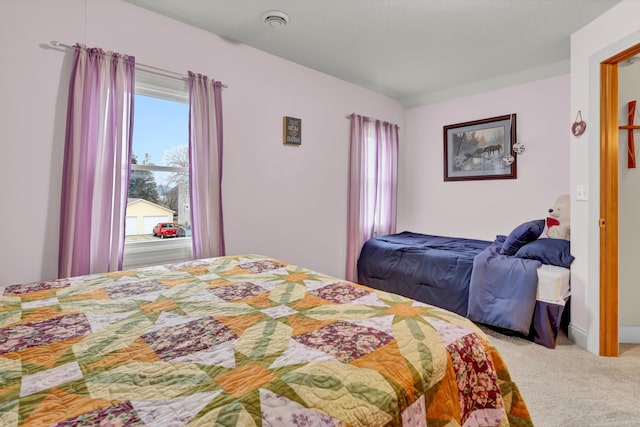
(609, 201)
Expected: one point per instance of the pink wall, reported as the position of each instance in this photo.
(281, 201)
(609, 34)
(483, 209)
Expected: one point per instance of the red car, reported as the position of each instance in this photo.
(165, 229)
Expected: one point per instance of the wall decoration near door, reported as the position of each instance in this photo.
(579, 125)
(291, 130)
(477, 150)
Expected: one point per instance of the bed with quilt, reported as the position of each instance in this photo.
(517, 283)
(242, 340)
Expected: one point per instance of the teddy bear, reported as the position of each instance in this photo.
(557, 223)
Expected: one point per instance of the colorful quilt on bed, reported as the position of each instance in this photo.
(245, 340)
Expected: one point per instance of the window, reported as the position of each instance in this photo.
(373, 171)
(159, 183)
(380, 184)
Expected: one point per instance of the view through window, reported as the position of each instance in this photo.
(159, 184)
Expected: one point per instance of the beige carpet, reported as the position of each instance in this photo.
(569, 386)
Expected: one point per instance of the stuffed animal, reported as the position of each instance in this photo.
(557, 224)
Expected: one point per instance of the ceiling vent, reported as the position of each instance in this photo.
(275, 19)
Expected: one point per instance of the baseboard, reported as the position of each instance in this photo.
(626, 335)
(629, 334)
(578, 336)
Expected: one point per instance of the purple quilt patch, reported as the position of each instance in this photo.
(122, 414)
(132, 289)
(35, 286)
(32, 334)
(257, 267)
(191, 337)
(340, 293)
(237, 291)
(345, 341)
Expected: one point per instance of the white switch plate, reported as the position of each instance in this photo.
(582, 192)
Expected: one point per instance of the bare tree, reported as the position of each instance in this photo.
(178, 182)
(177, 156)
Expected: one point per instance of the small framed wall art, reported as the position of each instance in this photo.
(480, 149)
(291, 130)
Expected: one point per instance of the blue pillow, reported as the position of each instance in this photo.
(548, 251)
(521, 235)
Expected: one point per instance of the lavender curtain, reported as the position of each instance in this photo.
(96, 162)
(205, 166)
(373, 177)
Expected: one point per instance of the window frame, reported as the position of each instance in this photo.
(177, 249)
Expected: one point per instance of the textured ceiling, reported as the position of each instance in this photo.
(411, 50)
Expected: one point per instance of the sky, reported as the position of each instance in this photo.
(158, 125)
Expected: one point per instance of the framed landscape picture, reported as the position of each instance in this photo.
(480, 149)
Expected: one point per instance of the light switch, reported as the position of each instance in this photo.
(582, 193)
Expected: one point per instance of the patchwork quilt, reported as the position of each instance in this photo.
(241, 340)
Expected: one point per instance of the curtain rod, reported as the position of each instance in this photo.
(348, 116)
(148, 68)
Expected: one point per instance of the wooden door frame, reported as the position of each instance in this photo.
(609, 200)
(608, 209)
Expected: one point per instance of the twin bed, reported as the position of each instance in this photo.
(517, 283)
(242, 340)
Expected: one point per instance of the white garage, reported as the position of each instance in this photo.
(143, 215)
(131, 226)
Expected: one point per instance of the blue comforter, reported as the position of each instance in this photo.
(432, 269)
(502, 290)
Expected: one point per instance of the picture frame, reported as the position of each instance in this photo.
(480, 149)
(291, 130)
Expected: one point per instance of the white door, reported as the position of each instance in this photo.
(131, 226)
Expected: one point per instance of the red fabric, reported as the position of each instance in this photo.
(552, 221)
